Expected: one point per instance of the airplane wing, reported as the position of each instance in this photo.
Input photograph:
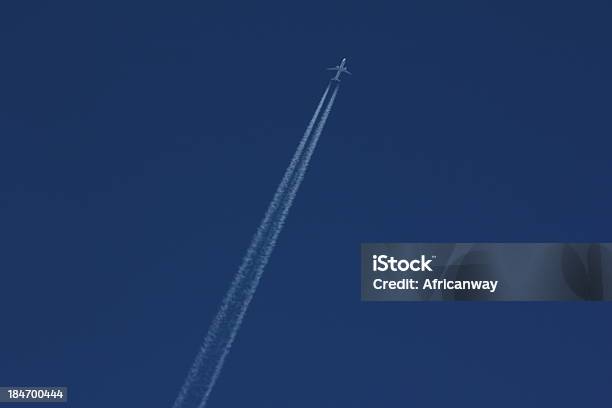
(333, 69)
(347, 72)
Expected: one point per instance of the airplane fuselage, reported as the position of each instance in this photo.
(340, 69)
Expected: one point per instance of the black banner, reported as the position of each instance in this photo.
(486, 271)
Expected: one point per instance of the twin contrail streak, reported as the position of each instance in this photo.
(300, 173)
(217, 343)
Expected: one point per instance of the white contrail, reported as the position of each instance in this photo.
(298, 178)
(220, 336)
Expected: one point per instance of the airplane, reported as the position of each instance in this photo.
(340, 69)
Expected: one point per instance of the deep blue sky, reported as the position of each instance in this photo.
(141, 143)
